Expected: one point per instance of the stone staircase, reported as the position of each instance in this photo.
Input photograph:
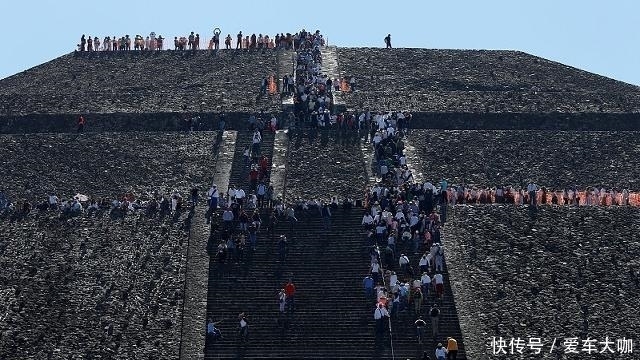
(286, 66)
(330, 67)
(239, 172)
(332, 318)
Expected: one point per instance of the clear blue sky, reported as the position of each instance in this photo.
(598, 36)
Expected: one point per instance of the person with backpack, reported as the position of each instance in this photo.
(387, 41)
(434, 313)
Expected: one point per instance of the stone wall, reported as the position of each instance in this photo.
(556, 272)
(554, 159)
(91, 287)
(143, 82)
(478, 81)
(175, 121)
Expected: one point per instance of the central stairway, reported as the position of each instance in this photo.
(332, 318)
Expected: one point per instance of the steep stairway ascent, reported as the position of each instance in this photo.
(331, 319)
(192, 334)
(239, 172)
(404, 340)
(226, 281)
(330, 67)
(449, 324)
(286, 66)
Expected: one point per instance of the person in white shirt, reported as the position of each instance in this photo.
(213, 195)
(391, 241)
(380, 315)
(375, 209)
(257, 139)
(281, 300)
(240, 195)
(231, 193)
(425, 281)
(393, 279)
(367, 221)
(424, 263)
(174, 203)
(227, 219)
(375, 271)
(377, 139)
(243, 327)
(439, 259)
(438, 280)
(416, 283)
(441, 352)
(404, 264)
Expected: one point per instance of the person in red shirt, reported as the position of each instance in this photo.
(253, 177)
(264, 166)
(290, 291)
(81, 123)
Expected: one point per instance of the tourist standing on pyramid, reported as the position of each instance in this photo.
(81, 123)
(387, 41)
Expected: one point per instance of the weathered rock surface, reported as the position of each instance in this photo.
(103, 287)
(91, 288)
(324, 169)
(142, 82)
(106, 164)
(552, 159)
(478, 81)
(553, 273)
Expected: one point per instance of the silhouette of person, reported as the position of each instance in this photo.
(387, 41)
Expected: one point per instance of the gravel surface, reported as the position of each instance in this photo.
(142, 82)
(556, 273)
(317, 171)
(98, 287)
(475, 81)
(106, 164)
(89, 288)
(551, 159)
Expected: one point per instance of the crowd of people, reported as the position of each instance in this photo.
(403, 218)
(192, 41)
(406, 268)
(128, 203)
